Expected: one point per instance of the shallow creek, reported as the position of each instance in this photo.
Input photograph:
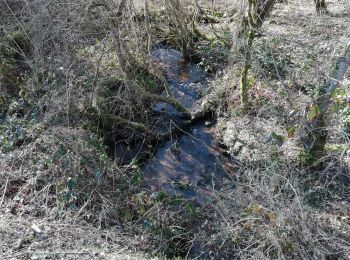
(189, 164)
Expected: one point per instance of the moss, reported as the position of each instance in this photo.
(13, 71)
(147, 81)
(3, 103)
(336, 148)
(6, 71)
(214, 53)
(19, 41)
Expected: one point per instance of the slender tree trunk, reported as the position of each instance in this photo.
(264, 7)
(258, 10)
(316, 137)
(321, 6)
(244, 72)
(148, 28)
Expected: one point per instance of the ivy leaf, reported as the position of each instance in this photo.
(127, 215)
(98, 176)
(314, 112)
(291, 131)
(278, 138)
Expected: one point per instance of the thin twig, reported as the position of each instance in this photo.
(3, 195)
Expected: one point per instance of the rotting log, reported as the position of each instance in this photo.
(108, 120)
(127, 123)
(316, 132)
(169, 100)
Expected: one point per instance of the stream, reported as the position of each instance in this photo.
(190, 163)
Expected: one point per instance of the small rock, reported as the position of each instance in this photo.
(292, 113)
(36, 229)
(268, 138)
(237, 148)
(19, 243)
(208, 123)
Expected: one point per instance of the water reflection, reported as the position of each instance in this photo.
(188, 164)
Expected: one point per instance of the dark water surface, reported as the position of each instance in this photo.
(188, 163)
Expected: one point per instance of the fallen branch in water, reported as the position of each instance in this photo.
(169, 100)
(109, 120)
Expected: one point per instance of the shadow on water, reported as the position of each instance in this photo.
(189, 163)
(186, 165)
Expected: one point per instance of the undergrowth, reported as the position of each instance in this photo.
(73, 82)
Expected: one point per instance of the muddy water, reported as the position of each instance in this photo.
(189, 163)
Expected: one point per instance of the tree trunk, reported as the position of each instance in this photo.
(258, 10)
(148, 28)
(243, 85)
(316, 137)
(321, 6)
(264, 8)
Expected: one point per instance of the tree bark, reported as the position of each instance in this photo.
(321, 6)
(264, 7)
(148, 28)
(316, 137)
(244, 72)
(258, 10)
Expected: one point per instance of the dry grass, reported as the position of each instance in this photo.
(272, 219)
(283, 211)
(72, 239)
(82, 65)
